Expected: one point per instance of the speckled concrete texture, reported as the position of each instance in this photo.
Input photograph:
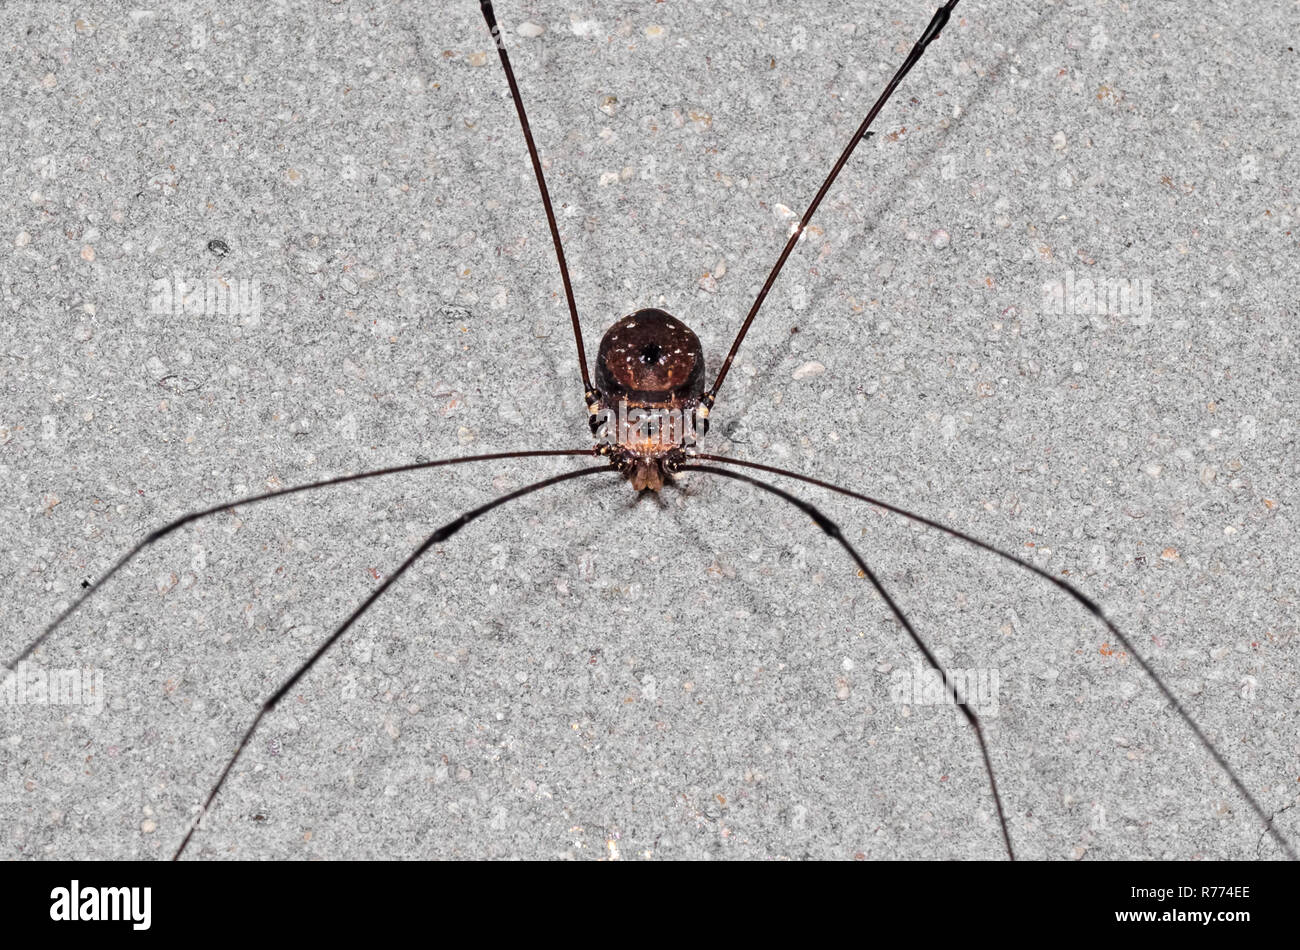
(1051, 302)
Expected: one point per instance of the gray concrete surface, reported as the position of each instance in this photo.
(591, 674)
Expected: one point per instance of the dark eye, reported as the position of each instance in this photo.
(650, 353)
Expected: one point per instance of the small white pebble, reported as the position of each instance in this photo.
(940, 238)
(23, 239)
(530, 29)
(809, 370)
(148, 826)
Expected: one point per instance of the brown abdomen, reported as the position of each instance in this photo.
(650, 358)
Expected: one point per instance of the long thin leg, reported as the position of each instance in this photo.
(832, 529)
(442, 534)
(491, 18)
(226, 506)
(937, 23)
(1078, 595)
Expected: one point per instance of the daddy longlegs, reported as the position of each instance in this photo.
(650, 370)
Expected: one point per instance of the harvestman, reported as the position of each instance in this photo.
(651, 363)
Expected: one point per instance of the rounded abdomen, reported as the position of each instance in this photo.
(650, 358)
